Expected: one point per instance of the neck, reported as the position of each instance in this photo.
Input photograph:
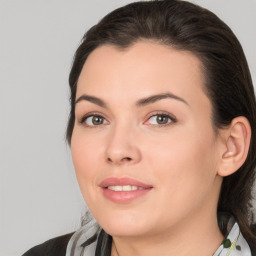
(193, 237)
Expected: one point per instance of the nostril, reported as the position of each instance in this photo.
(124, 159)
(127, 158)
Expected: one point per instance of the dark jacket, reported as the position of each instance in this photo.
(53, 247)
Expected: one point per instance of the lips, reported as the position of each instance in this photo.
(123, 190)
(123, 182)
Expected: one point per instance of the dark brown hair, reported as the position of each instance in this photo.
(228, 84)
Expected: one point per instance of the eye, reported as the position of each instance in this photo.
(93, 120)
(161, 119)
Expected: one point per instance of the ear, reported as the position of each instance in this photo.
(236, 142)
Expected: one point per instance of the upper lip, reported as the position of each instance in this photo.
(115, 181)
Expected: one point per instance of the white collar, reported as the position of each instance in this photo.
(234, 244)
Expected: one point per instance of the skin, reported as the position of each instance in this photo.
(180, 160)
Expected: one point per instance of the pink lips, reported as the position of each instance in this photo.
(124, 196)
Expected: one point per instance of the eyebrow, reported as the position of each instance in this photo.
(140, 103)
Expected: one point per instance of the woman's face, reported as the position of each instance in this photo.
(143, 145)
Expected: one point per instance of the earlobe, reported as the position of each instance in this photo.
(237, 141)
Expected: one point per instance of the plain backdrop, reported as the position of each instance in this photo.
(39, 194)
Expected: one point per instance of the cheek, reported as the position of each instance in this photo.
(86, 155)
(184, 163)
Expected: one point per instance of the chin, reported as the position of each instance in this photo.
(123, 224)
(116, 230)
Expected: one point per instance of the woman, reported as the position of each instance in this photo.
(162, 134)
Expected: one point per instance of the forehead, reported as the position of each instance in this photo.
(145, 67)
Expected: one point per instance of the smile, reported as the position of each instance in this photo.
(123, 190)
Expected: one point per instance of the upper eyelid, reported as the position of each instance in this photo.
(164, 113)
(91, 114)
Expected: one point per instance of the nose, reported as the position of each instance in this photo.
(122, 147)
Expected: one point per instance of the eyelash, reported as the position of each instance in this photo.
(163, 114)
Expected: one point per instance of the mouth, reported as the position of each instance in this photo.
(123, 190)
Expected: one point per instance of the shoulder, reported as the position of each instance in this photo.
(53, 247)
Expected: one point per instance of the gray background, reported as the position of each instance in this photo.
(39, 195)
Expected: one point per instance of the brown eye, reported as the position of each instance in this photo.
(96, 120)
(93, 120)
(161, 120)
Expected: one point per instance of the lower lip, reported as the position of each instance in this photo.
(124, 196)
